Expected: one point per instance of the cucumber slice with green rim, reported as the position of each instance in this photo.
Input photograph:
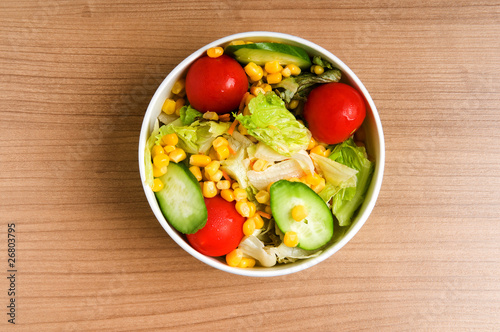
(317, 228)
(260, 53)
(181, 200)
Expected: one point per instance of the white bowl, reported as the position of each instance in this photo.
(374, 144)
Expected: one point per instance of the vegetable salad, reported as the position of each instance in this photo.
(258, 154)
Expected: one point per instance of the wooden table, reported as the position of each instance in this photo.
(75, 80)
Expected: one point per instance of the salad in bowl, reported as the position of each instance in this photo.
(261, 154)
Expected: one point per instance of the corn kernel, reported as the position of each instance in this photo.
(259, 223)
(252, 209)
(269, 187)
(237, 42)
(299, 212)
(244, 208)
(240, 194)
(259, 165)
(212, 167)
(327, 153)
(266, 87)
(211, 116)
(179, 86)
(293, 104)
(248, 98)
(255, 90)
(159, 171)
(177, 155)
(286, 72)
(313, 179)
(291, 239)
(161, 160)
(312, 143)
(268, 210)
(156, 150)
(222, 152)
(196, 172)
(169, 148)
(199, 160)
(294, 179)
(157, 185)
(249, 227)
(320, 186)
(215, 52)
(205, 176)
(294, 69)
(212, 154)
(262, 197)
(234, 257)
(209, 190)
(223, 184)
(246, 262)
(235, 185)
(274, 78)
(254, 71)
(219, 141)
(319, 149)
(227, 194)
(273, 67)
(170, 139)
(217, 176)
(318, 70)
(179, 103)
(168, 106)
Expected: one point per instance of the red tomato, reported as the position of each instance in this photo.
(223, 231)
(216, 84)
(334, 111)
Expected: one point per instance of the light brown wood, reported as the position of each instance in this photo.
(75, 80)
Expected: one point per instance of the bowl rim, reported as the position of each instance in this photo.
(281, 269)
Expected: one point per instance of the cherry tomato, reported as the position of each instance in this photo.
(223, 231)
(334, 111)
(216, 84)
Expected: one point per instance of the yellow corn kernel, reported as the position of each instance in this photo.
(254, 71)
(156, 150)
(215, 52)
(273, 67)
(199, 160)
(291, 239)
(286, 72)
(179, 86)
(259, 165)
(266, 87)
(318, 149)
(169, 148)
(179, 103)
(211, 116)
(303, 180)
(237, 42)
(196, 172)
(235, 185)
(216, 176)
(223, 184)
(227, 194)
(294, 179)
(234, 257)
(244, 208)
(274, 78)
(252, 208)
(312, 143)
(249, 227)
(269, 187)
(168, 106)
(170, 139)
(209, 190)
(159, 171)
(240, 194)
(327, 153)
(222, 152)
(161, 160)
(318, 70)
(313, 179)
(212, 167)
(299, 212)
(212, 154)
(268, 210)
(177, 155)
(262, 197)
(219, 141)
(249, 42)
(157, 185)
(246, 262)
(255, 90)
(320, 186)
(293, 104)
(294, 69)
(259, 223)
(248, 97)
(242, 130)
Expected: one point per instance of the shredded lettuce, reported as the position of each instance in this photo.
(251, 246)
(197, 137)
(317, 60)
(285, 254)
(284, 170)
(335, 173)
(236, 166)
(348, 200)
(271, 123)
(188, 115)
(148, 164)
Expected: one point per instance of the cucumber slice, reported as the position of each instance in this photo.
(317, 228)
(260, 53)
(181, 200)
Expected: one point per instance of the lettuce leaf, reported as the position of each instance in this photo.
(148, 164)
(335, 173)
(347, 200)
(271, 123)
(189, 115)
(236, 166)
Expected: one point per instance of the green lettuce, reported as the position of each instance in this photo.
(195, 138)
(148, 164)
(189, 115)
(317, 60)
(236, 167)
(272, 124)
(347, 200)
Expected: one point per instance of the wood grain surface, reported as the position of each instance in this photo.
(75, 80)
